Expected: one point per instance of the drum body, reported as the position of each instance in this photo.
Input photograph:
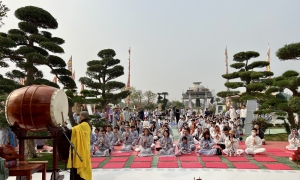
(34, 107)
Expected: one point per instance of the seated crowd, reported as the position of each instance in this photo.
(210, 135)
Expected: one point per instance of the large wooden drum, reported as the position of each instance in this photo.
(34, 107)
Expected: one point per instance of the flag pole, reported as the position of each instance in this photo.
(226, 61)
(128, 80)
(268, 60)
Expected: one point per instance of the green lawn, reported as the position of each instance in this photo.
(276, 137)
(48, 157)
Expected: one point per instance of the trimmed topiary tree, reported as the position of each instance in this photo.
(31, 46)
(100, 80)
(254, 82)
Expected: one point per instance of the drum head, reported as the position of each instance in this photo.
(59, 104)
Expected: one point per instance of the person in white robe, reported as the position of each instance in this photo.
(216, 134)
(127, 138)
(184, 147)
(197, 133)
(166, 144)
(294, 140)
(207, 145)
(102, 146)
(232, 113)
(146, 142)
(146, 123)
(253, 143)
(212, 128)
(231, 145)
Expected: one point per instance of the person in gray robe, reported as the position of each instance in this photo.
(166, 144)
(92, 142)
(139, 126)
(110, 136)
(127, 138)
(184, 147)
(146, 142)
(170, 129)
(135, 135)
(102, 145)
(117, 137)
(190, 139)
(3, 136)
(207, 145)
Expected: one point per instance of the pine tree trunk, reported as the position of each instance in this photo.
(71, 119)
(30, 149)
(29, 144)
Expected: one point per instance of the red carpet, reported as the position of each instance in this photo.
(142, 159)
(274, 150)
(140, 165)
(118, 159)
(237, 159)
(280, 154)
(167, 159)
(191, 165)
(215, 165)
(114, 165)
(277, 167)
(241, 143)
(120, 153)
(95, 165)
(210, 158)
(167, 165)
(264, 159)
(188, 158)
(245, 166)
(98, 159)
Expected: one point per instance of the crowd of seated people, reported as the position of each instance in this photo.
(205, 135)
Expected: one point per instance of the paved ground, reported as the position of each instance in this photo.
(185, 174)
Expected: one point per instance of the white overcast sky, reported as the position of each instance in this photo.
(173, 42)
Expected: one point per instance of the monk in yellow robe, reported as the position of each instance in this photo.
(80, 137)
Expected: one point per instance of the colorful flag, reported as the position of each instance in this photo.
(226, 62)
(22, 81)
(70, 64)
(54, 80)
(73, 75)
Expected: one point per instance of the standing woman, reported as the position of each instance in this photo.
(146, 142)
(231, 145)
(166, 144)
